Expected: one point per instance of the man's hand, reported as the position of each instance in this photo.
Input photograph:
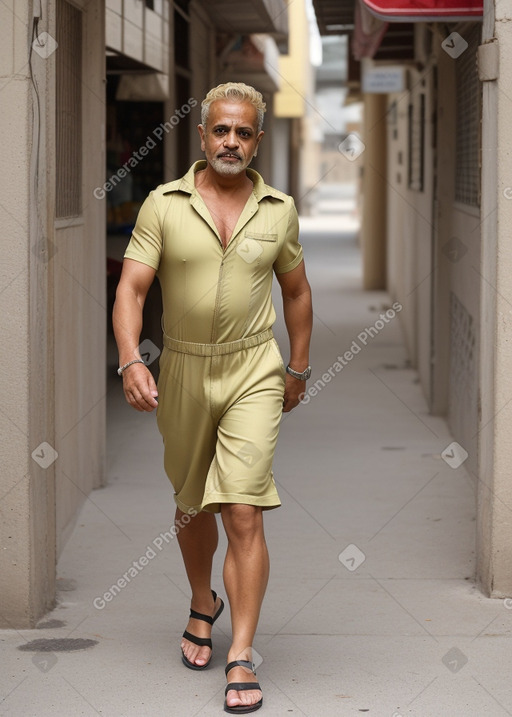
(293, 392)
(139, 387)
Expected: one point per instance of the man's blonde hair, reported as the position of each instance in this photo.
(236, 92)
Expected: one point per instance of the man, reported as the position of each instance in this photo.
(214, 239)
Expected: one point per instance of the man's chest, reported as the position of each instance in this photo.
(225, 215)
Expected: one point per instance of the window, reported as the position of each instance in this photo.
(68, 106)
(417, 143)
(467, 139)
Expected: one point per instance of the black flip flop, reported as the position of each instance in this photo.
(201, 641)
(241, 686)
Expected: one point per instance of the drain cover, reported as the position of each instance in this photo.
(49, 624)
(57, 644)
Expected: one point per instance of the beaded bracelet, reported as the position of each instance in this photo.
(122, 368)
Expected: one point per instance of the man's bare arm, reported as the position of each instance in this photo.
(138, 383)
(298, 316)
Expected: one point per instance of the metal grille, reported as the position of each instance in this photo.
(417, 142)
(68, 120)
(462, 354)
(467, 143)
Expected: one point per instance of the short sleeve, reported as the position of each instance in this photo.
(290, 255)
(146, 241)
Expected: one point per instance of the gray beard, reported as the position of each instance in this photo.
(228, 169)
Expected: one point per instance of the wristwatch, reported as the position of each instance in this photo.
(301, 376)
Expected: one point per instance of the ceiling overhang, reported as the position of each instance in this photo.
(269, 17)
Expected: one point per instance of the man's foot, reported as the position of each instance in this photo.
(196, 644)
(241, 698)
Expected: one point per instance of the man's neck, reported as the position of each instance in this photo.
(209, 179)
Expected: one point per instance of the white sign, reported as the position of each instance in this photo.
(383, 80)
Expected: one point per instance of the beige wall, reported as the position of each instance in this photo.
(422, 274)
(53, 313)
(410, 222)
(27, 538)
(80, 305)
(457, 278)
(494, 527)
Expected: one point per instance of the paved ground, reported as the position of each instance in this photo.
(371, 606)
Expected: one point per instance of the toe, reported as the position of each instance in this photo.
(202, 656)
(197, 655)
(232, 698)
(244, 697)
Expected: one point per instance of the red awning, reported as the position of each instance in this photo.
(425, 10)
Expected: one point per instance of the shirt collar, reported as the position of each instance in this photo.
(186, 183)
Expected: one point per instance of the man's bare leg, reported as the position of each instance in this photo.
(246, 571)
(198, 541)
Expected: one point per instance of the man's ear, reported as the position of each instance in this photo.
(258, 140)
(200, 129)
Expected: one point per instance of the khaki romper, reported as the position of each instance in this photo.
(221, 373)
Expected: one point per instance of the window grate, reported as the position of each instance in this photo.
(68, 120)
(467, 143)
(417, 143)
(462, 351)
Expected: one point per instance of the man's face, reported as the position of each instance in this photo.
(231, 136)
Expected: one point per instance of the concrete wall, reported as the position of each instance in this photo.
(457, 255)
(80, 303)
(409, 220)
(27, 538)
(434, 282)
(494, 527)
(52, 415)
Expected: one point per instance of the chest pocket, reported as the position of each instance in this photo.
(258, 236)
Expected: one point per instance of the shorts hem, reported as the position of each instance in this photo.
(213, 503)
(190, 509)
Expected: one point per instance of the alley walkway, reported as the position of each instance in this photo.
(371, 606)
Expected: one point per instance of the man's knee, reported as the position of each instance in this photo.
(242, 520)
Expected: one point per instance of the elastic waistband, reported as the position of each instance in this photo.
(189, 347)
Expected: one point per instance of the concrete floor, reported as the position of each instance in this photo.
(371, 606)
